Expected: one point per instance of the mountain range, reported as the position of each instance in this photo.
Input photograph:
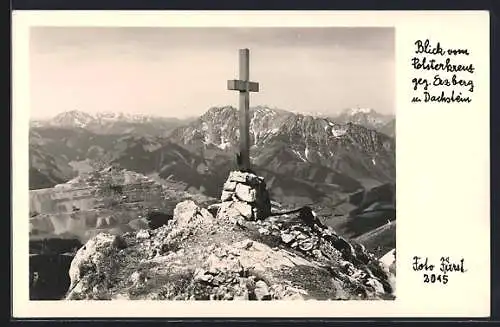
(305, 160)
(141, 124)
(112, 123)
(366, 117)
(325, 158)
(343, 167)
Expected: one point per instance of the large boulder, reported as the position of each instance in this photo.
(388, 262)
(244, 209)
(188, 213)
(94, 267)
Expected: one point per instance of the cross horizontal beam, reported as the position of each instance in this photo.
(243, 86)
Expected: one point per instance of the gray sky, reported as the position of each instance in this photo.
(181, 72)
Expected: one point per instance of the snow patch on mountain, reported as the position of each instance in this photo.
(82, 119)
(354, 111)
(299, 155)
(306, 153)
(338, 132)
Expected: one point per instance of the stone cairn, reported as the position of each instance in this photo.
(246, 193)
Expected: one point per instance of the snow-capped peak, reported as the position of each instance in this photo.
(354, 111)
(72, 118)
(366, 116)
(82, 119)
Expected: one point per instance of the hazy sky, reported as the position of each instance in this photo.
(182, 72)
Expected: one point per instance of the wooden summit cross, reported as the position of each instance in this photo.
(245, 87)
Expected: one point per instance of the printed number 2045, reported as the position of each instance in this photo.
(433, 278)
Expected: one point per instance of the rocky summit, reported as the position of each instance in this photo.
(218, 254)
(162, 214)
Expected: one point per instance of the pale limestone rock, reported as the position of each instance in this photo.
(242, 296)
(262, 257)
(243, 209)
(214, 264)
(226, 196)
(200, 275)
(388, 259)
(187, 212)
(388, 262)
(377, 286)
(229, 186)
(301, 236)
(238, 176)
(228, 212)
(143, 234)
(262, 291)
(306, 245)
(245, 193)
(206, 215)
(97, 252)
(287, 238)
(317, 253)
(264, 231)
(235, 266)
(137, 278)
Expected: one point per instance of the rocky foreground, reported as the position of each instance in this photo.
(215, 253)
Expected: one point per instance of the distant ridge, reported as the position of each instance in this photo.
(112, 123)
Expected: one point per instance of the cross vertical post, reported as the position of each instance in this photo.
(244, 114)
(244, 86)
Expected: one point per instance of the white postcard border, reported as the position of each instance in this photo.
(432, 232)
